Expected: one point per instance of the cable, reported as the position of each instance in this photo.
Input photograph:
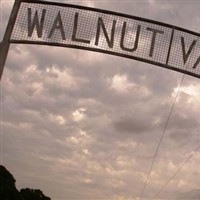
(166, 124)
(177, 171)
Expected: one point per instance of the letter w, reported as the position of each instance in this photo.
(38, 23)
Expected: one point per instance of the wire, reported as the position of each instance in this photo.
(177, 171)
(163, 133)
(184, 163)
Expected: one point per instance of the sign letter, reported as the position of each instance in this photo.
(74, 38)
(35, 23)
(186, 55)
(57, 25)
(153, 39)
(196, 63)
(101, 24)
(136, 39)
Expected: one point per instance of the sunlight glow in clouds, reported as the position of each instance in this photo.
(79, 114)
(64, 78)
(58, 118)
(81, 139)
(120, 83)
(191, 90)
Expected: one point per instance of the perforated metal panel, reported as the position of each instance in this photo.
(108, 32)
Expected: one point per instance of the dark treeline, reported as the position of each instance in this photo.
(8, 190)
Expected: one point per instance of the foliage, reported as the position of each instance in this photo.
(8, 189)
(30, 194)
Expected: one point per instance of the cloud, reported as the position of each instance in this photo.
(78, 114)
(120, 83)
(80, 124)
(193, 195)
(134, 126)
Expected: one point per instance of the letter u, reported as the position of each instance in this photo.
(136, 39)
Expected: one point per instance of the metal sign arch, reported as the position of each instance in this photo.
(74, 26)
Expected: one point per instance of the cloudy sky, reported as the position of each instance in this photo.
(84, 125)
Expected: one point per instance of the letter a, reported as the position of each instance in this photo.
(57, 25)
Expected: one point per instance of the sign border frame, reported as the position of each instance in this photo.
(173, 27)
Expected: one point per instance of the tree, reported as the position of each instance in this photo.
(8, 190)
(30, 194)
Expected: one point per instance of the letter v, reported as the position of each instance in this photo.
(186, 54)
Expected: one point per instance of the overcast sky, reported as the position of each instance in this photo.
(84, 125)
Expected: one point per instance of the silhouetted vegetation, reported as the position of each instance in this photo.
(8, 189)
(30, 194)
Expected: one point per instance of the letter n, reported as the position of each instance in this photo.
(100, 25)
(35, 23)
